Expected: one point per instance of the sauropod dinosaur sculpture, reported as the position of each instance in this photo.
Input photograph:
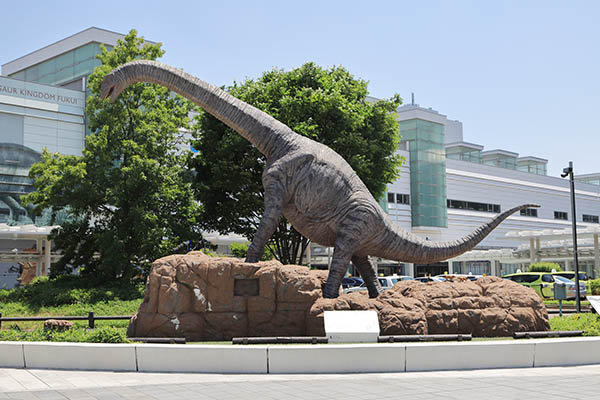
(308, 183)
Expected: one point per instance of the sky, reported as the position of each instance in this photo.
(521, 76)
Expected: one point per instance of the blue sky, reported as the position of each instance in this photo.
(521, 75)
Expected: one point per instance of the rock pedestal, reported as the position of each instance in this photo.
(203, 298)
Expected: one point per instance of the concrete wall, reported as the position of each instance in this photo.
(394, 357)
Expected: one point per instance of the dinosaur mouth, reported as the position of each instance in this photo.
(109, 93)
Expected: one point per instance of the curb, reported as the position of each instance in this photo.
(301, 359)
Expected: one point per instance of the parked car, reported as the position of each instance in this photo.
(426, 279)
(543, 283)
(386, 283)
(459, 277)
(351, 281)
(571, 275)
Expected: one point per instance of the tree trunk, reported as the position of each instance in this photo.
(288, 244)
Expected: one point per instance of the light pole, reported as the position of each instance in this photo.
(569, 172)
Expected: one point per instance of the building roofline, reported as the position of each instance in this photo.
(464, 144)
(532, 158)
(499, 151)
(89, 35)
(590, 175)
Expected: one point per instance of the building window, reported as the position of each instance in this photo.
(391, 197)
(529, 212)
(402, 198)
(471, 205)
(590, 218)
(561, 215)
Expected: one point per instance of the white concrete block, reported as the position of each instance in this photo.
(594, 301)
(11, 355)
(567, 351)
(336, 358)
(351, 326)
(192, 358)
(82, 356)
(473, 355)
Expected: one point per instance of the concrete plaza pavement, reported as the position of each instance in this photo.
(580, 382)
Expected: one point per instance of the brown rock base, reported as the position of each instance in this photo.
(203, 298)
(57, 325)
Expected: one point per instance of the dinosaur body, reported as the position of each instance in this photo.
(307, 182)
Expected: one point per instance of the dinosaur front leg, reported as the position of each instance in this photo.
(273, 210)
(367, 271)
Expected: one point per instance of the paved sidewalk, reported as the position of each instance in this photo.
(532, 383)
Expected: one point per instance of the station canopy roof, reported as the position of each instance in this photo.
(24, 232)
(555, 234)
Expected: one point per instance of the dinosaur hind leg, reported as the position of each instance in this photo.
(337, 271)
(352, 228)
(367, 271)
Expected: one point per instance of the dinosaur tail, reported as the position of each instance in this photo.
(258, 127)
(403, 246)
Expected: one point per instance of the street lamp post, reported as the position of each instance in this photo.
(569, 172)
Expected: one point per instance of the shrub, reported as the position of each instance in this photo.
(589, 323)
(544, 267)
(76, 334)
(70, 289)
(594, 287)
(240, 250)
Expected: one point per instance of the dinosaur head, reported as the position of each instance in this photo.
(111, 87)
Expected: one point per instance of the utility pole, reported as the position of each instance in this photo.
(569, 172)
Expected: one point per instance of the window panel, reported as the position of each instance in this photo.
(561, 215)
(390, 197)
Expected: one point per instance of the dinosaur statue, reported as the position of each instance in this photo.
(307, 182)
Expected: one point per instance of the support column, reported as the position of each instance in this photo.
(40, 260)
(495, 268)
(47, 259)
(531, 251)
(538, 249)
(410, 269)
(596, 257)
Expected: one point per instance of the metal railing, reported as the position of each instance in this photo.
(91, 318)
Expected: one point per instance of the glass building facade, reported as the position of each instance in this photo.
(427, 172)
(499, 160)
(63, 69)
(34, 116)
(532, 167)
(464, 153)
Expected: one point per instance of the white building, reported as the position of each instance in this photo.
(449, 187)
(42, 105)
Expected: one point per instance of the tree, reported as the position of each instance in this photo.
(544, 267)
(326, 105)
(129, 195)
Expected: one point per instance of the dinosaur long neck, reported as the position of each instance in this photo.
(396, 244)
(268, 135)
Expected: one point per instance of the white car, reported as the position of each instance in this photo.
(386, 283)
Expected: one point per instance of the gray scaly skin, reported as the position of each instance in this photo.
(308, 183)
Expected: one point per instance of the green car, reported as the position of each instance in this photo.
(543, 283)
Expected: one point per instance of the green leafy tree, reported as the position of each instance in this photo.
(129, 194)
(240, 250)
(326, 105)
